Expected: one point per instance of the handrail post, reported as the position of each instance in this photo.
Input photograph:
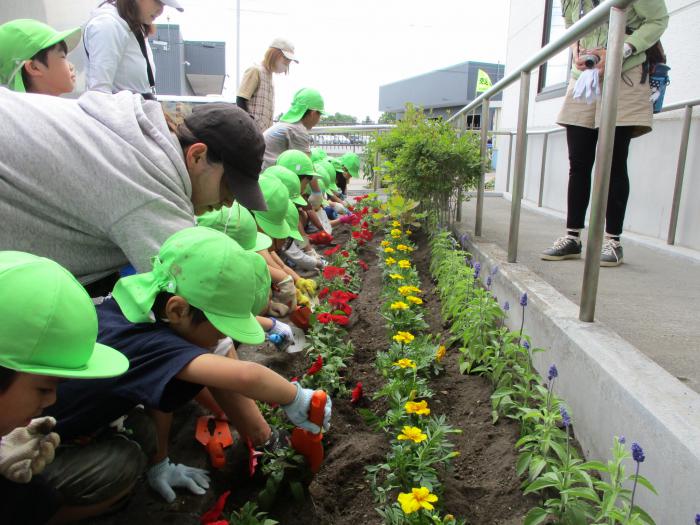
(603, 162)
(680, 173)
(542, 169)
(519, 174)
(484, 160)
(510, 159)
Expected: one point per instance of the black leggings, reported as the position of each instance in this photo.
(582, 146)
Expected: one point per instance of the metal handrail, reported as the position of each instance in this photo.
(615, 12)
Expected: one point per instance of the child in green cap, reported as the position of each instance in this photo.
(202, 288)
(33, 57)
(292, 131)
(49, 330)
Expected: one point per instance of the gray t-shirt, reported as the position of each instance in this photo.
(91, 183)
(283, 136)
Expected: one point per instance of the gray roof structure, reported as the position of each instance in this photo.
(441, 91)
(186, 67)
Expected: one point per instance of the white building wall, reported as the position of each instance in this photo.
(653, 157)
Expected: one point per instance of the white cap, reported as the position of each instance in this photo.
(173, 3)
(286, 47)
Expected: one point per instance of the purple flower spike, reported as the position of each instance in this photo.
(526, 345)
(553, 372)
(523, 299)
(622, 440)
(477, 270)
(565, 418)
(494, 271)
(489, 281)
(697, 519)
(637, 453)
(506, 306)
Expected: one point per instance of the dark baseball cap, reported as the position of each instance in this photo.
(232, 135)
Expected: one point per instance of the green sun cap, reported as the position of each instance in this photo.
(263, 281)
(318, 154)
(351, 162)
(304, 99)
(292, 219)
(330, 169)
(298, 162)
(210, 271)
(336, 163)
(273, 220)
(320, 167)
(20, 40)
(239, 224)
(289, 179)
(48, 322)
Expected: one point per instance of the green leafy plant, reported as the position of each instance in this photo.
(249, 514)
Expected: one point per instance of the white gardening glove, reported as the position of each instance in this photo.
(587, 86)
(298, 410)
(315, 199)
(27, 450)
(283, 329)
(164, 476)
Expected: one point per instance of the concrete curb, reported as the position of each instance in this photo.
(611, 387)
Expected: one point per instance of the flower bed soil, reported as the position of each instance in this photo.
(483, 487)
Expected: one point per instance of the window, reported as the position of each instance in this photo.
(555, 72)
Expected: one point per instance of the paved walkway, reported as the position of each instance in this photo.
(652, 300)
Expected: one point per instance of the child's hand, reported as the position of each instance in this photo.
(27, 450)
(298, 410)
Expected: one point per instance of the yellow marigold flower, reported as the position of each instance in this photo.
(405, 363)
(441, 351)
(415, 300)
(408, 232)
(414, 434)
(404, 263)
(396, 224)
(388, 249)
(390, 260)
(404, 248)
(408, 290)
(384, 244)
(395, 276)
(403, 337)
(395, 233)
(417, 499)
(420, 408)
(399, 305)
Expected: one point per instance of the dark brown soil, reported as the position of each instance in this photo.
(482, 487)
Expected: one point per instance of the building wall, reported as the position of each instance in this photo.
(653, 157)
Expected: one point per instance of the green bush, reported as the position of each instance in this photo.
(426, 158)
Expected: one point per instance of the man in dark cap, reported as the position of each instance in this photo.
(101, 181)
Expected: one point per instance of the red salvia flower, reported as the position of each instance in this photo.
(363, 265)
(341, 320)
(331, 251)
(356, 394)
(318, 364)
(324, 318)
(323, 293)
(211, 517)
(253, 456)
(331, 272)
(345, 253)
(365, 225)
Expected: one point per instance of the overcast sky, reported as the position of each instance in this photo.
(348, 49)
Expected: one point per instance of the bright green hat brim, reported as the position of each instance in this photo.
(301, 201)
(292, 219)
(262, 242)
(274, 230)
(244, 329)
(104, 362)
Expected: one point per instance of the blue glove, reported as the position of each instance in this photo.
(298, 410)
(163, 476)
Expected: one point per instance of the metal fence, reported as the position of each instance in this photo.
(614, 11)
(339, 139)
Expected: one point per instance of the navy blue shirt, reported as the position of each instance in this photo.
(156, 355)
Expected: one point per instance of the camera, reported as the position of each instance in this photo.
(590, 60)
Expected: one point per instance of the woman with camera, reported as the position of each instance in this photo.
(646, 22)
